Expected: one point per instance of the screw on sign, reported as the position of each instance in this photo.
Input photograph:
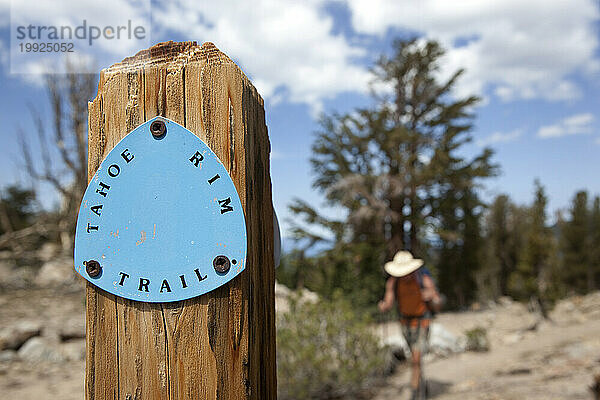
(179, 192)
(222, 264)
(93, 268)
(158, 128)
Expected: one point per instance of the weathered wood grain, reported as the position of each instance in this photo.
(220, 345)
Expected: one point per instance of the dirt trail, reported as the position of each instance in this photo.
(527, 360)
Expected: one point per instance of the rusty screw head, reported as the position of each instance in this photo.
(158, 128)
(221, 264)
(93, 268)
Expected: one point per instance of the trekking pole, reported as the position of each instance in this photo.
(386, 323)
(381, 322)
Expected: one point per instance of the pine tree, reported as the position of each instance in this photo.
(16, 208)
(18, 212)
(577, 270)
(461, 246)
(532, 277)
(499, 235)
(594, 248)
(392, 166)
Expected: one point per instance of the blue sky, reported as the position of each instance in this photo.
(536, 64)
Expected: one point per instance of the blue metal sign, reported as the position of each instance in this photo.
(161, 220)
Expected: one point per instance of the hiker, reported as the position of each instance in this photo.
(412, 286)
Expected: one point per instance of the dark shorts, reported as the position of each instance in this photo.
(416, 333)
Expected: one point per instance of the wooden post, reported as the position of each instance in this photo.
(220, 345)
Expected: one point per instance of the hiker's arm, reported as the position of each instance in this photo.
(388, 298)
(430, 294)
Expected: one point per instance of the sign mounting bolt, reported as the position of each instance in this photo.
(221, 264)
(93, 268)
(158, 128)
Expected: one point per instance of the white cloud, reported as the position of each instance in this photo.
(286, 47)
(500, 137)
(575, 125)
(518, 49)
(282, 44)
(81, 16)
(511, 49)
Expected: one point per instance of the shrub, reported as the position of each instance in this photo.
(326, 350)
(477, 339)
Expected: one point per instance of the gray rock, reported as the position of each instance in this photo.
(56, 272)
(283, 296)
(6, 271)
(578, 351)
(306, 296)
(281, 290)
(505, 301)
(5, 254)
(7, 356)
(397, 346)
(567, 312)
(73, 328)
(591, 303)
(73, 350)
(15, 277)
(38, 349)
(48, 251)
(442, 342)
(282, 293)
(13, 337)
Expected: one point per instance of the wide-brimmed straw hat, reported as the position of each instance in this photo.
(402, 264)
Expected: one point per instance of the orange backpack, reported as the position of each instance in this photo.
(408, 296)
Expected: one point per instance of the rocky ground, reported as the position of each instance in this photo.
(528, 358)
(42, 328)
(42, 345)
